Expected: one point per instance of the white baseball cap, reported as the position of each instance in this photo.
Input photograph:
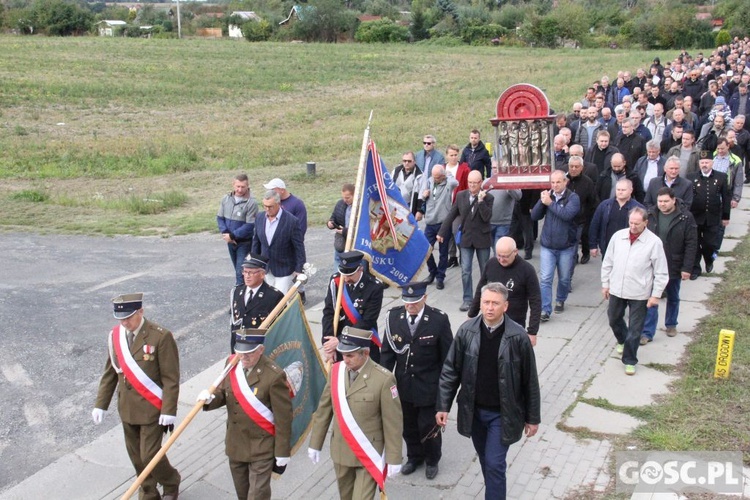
(275, 184)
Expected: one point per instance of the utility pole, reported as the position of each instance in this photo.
(179, 21)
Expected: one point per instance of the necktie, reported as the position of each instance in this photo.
(248, 296)
(412, 323)
(352, 376)
(412, 318)
(130, 337)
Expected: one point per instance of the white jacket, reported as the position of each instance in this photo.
(637, 271)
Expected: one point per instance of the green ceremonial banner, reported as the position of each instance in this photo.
(290, 345)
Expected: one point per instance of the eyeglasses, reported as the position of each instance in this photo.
(251, 272)
(427, 143)
(435, 432)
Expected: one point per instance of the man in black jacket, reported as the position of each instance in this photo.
(673, 223)
(417, 340)
(619, 170)
(339, 221)
(491, 347)
(476, 155)
(631, 145)
(520, 278)
(584, 187)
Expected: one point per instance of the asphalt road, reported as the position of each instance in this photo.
(55, 313)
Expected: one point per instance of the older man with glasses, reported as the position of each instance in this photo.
(407, 178)
(428, 157)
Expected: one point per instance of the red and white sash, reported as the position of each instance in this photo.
(353, 434)
(134, 374)
(253, 407)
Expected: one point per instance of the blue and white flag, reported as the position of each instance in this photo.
(388, 233)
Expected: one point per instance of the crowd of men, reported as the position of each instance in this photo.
(645, 175)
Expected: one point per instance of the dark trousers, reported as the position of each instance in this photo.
(438, 270)
(418, 422)
(709, 237)
(486, 434)
(143, 443)
(252, 480)
(630, 333)
(522, 229)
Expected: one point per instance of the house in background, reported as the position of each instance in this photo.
(110, 27)
(234, 30)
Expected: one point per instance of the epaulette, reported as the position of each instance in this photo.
(377, 281)
(383, 370)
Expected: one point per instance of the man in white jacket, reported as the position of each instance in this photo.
(634, 275)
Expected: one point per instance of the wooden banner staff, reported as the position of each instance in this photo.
(353, 222)
(300, 280)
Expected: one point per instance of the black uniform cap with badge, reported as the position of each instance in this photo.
(706, 154)
(349, 262)
(353, 339)
(255, 261)
(248, 340)
(127, 305)
(413, 292)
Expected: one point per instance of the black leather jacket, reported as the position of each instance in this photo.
(519, 386)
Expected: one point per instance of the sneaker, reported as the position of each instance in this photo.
(620, 348)
(465, 307)
(629, 369)
(544, 317)
(559, 307)
(671, 331)
(645, 340)
(452, 262)
(440, 285)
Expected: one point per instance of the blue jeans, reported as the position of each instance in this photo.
(549, 260)
(630, 333)
(430, 232)
(498, 231)
(238, 252)
(467, 257)
(673, 309)
(486, 434)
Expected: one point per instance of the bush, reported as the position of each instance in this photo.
(257, 31)
(324, 21)
(59, 18)
(482, 34)
(510, 16)
(381, 31)
(723, 38)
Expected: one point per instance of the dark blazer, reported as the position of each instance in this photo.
(417, 370)
(683, 189)
(256, 310)
(476, 230)
(711, 199)
(163, 367)
(604, 186)
(286, 253)
(641, 166)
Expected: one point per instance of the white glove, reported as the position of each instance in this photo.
(205, 397)
(97, 414)
(314, 455)
(282, 461)
(393, 470)
(166, 420)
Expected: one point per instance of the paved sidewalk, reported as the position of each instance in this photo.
(575, 352)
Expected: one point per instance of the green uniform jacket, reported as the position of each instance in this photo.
(163, 367)
(376, 407)
(246, 441)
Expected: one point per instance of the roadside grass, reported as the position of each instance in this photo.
(136, 112)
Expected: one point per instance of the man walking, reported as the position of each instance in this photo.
(437, 204)
(407, 178)
(492, 359)
(259, 417)
(610, 216)
(144, 366)
(672, 221)
(236, 221)
(634, 275)
(558, 207)
(417, 339)
(476, 155)
(363, 398)
(474, 206)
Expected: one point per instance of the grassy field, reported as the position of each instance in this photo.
(89, 126)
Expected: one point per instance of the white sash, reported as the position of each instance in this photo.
(249, 402)
(134, 374)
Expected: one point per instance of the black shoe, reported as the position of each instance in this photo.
(303, 298)
(585, 258)
(559, 307)
(576, 258)
(452, 262)
(465, 307)
(430, 279)
(430, 471)
(440, 285)
(527, 256)
(710, 267)
(409, 467)
(695, 275)
(544, 317)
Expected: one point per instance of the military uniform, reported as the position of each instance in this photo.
(367, 297)
(711, 204)
(417, 359)
(252, 314)
(248, 446)
(375, 405)
(155, 352)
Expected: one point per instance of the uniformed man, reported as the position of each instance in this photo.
(364, 399)
(144, 366)
(252, 302)
(360, 305)
(417, 339)
(259, 417)
(711, 207)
